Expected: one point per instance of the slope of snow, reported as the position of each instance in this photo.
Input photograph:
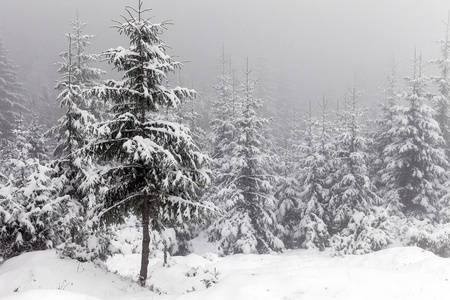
(395, 273)
(45, 270)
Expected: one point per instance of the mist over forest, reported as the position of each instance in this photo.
(306, 49)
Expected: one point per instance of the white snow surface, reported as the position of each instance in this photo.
(394, 273)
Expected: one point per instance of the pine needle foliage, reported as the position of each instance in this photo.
(155, 167)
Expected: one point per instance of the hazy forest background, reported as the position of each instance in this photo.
(303, 49)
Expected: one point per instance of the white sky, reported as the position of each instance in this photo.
(319, 46)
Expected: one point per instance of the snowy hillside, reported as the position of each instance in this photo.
(395, 273)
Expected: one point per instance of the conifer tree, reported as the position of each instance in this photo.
(414, 161)
(29, 206)
(383, 138)
(225, 109)
(358, 223)
(223, 141)
(443, 82)
(12, 101)
(313, 177)
(245, 185)
(81, 110)
(287, 187)
(74, 171)
(223, 135)
(156, 167)
(353, 190)
(83, 73)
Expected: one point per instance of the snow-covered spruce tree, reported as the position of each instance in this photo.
(223, 137)
(414, 161)
(73, 169)
(383, 137)
(29, 206)
(443, 81)
(84, 74)
(288, 210)
(357, 224)
(156, 167)
(287, 187)
(77, 75)
(12, 101)
(244, 184)
(313, 176)
(442, 107)
(225, 108)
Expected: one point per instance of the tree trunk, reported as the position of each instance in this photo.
(145, 204)
(145, 241)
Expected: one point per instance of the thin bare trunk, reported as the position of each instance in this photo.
(145, 240)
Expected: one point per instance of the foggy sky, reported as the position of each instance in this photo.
(312, 46)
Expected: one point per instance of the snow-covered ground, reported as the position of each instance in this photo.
(395, 273)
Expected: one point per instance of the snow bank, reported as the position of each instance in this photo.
(48, 295)
(395, 273)
(44, 270)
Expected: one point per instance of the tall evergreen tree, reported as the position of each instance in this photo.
(225, 110)
(383, 137)
(314, 175)
(358, 223)
(77, 76)
(414, 161)
(12, 101)
(156, 166)
(287, 187)
(223, 139)
(353, 190)
(74, 169)
(245, 184)
(443, 82)
(84, 74)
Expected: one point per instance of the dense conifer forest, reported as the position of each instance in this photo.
(253, 173)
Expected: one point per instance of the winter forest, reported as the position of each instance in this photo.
(120, 152)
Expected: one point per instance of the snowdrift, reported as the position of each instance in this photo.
(395, 273)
